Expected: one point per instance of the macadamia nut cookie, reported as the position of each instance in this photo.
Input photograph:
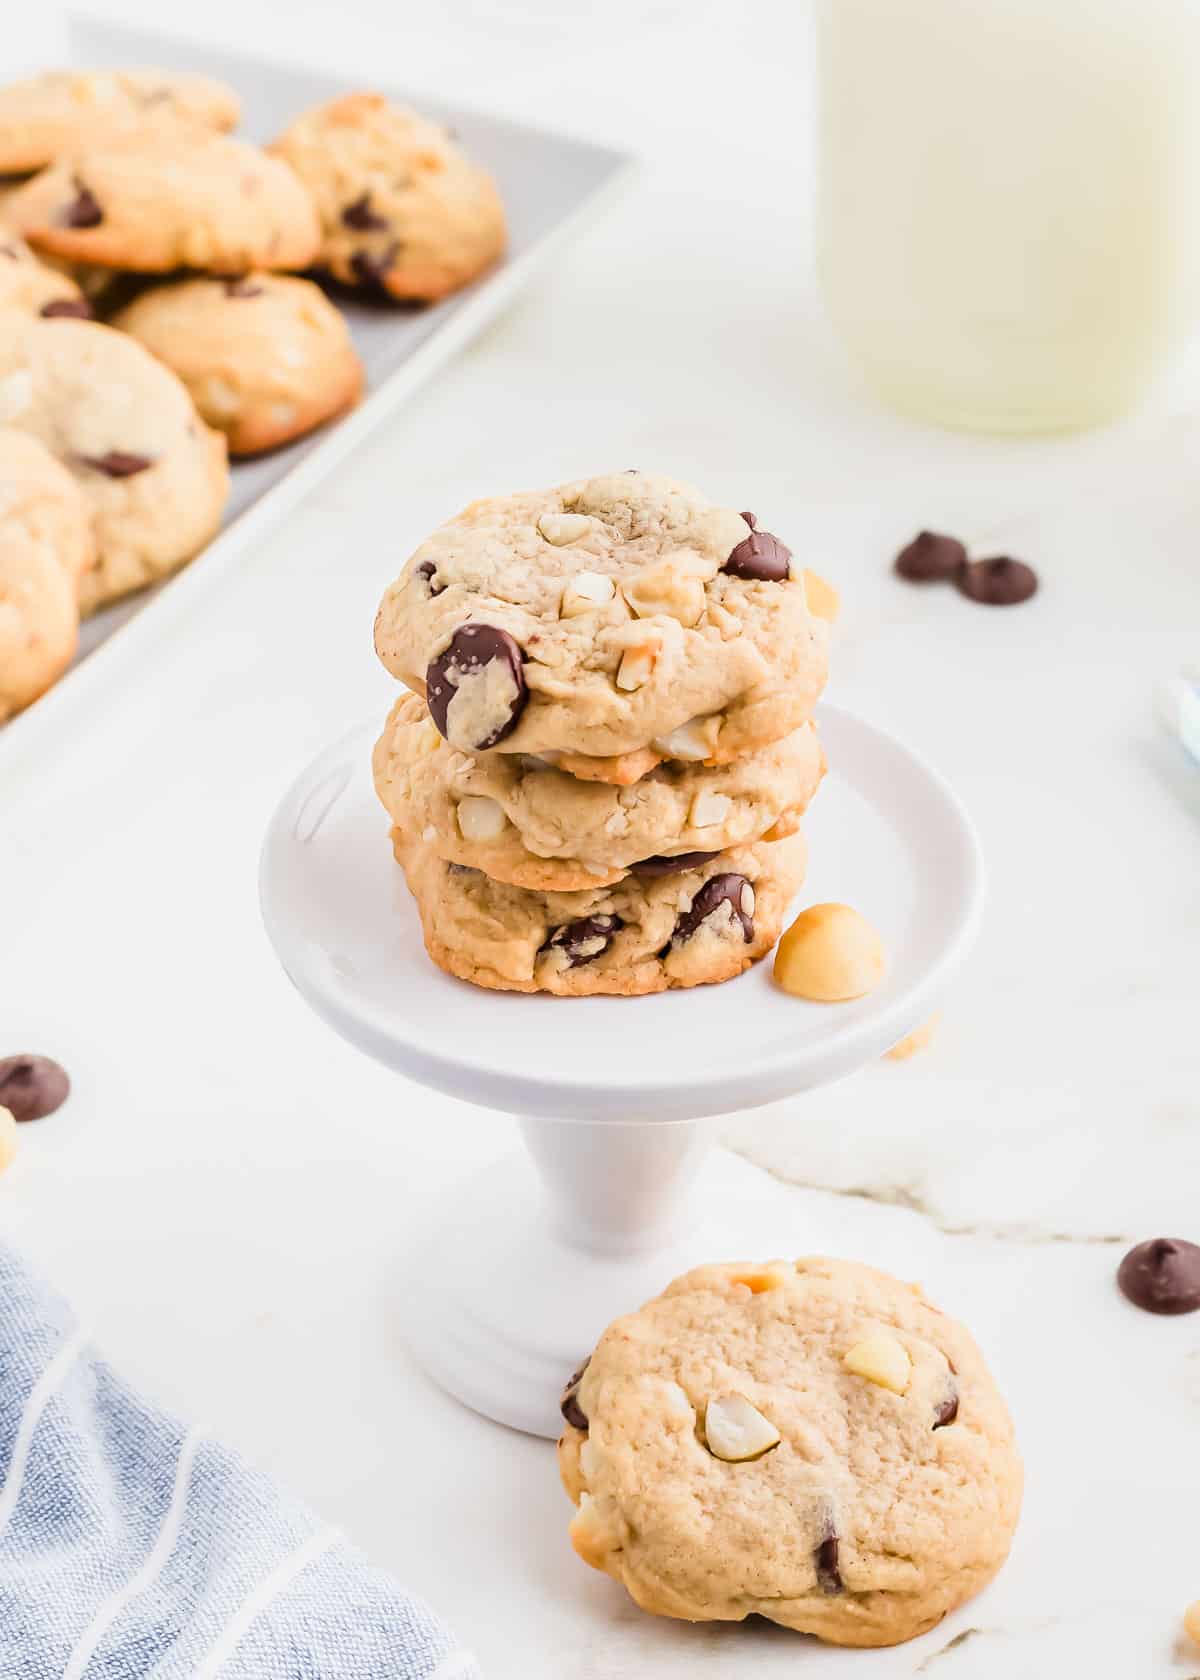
(45, 544)
(49, 114)
(402, 210)
(153, 477)
(524, 822)
(266, 357)
(693, 927)
(189, 200)
(624, 615)
(812, 1442)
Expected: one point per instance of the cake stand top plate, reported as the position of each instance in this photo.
(885, 834)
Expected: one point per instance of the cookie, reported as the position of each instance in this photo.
(154, 478)
(402, 210)
(266, 357)
(190, 200)
(693, 927)
(525, 823)
(616, 616)
(50, 114)
(45, 544)
(32, 286)
(812, 1442)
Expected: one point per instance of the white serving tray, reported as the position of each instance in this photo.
(551, 185)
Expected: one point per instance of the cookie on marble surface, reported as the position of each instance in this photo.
(45, 545)
(693, 927)
(813, 1442)
(46, 115)
(402, 209)
(266, 357)
(190, 200)
(153, 476)
(616, 616)
(33, 286)
(526, 823)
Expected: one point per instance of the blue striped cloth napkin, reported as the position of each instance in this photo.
(131, 1546)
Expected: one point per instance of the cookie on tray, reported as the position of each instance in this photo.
(190, 200)
(619, 620)
(266, 357)
(694, 927)
(813, 1442)
(33, 286)
(403, 211)
(153, 476)
(45, 545)
(524, 822)
(46, 115)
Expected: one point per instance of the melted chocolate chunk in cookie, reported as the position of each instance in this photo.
(361, 217)
(83, 211)
(117, 463)
(718, 891)
(569, 1405)
(948, 1410)
(371, 267)
(585, 940)
(829, 1577)
(478, 655)
(32, 1086)
(76, 308)
(241, 286)
(760, 558)
(428, 571)
(650, 868)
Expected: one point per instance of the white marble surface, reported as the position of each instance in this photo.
(226, 1194)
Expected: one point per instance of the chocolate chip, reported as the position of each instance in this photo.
(948, 1410)
(241, 286)
(826, 1558)
(32, 1086)
(117, 463)
(84, 210)
(473, 647)
(999, 582)
(428, 571)
(78, 309)
(761, 558)
(370, 268)
(729, 889)
(931, 558)
(651, 867)
(569, 1404)
(585, 940)
(361, 217)
(1161, 1276)
(751, 521)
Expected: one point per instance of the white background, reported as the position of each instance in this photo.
(227, 1193)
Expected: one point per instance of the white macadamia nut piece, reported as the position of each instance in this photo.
(736, 1431)
(882, 1360)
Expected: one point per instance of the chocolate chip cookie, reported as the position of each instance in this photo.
(190, 200)
(153, 476)
(46, 115)
(403, 211)
(619, 620)
(33, 286)
(524, 822)
(45, 545)
(266, 357)
(812, 1442)
(689, 927)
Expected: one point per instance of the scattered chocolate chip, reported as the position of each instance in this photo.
(761, 558)
(472, 648)
(931, 558)
(948, 1410)
(585, 940)
(240, 285)
(569, 1405)
(730, 889)
(428, 571)
(361, 217)
(370, 268)
(826, 1558)
(32, 1086)
(651, 867)
(1161, 1276)
(999, 582)
(83, 211)
(117, 464)
(78, 309)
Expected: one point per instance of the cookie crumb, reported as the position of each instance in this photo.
(919, 1039)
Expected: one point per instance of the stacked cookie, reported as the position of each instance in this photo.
(597, 781)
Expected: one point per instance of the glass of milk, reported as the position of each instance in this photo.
(1010, 201)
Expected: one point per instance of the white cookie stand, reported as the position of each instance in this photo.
(520, 1270)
